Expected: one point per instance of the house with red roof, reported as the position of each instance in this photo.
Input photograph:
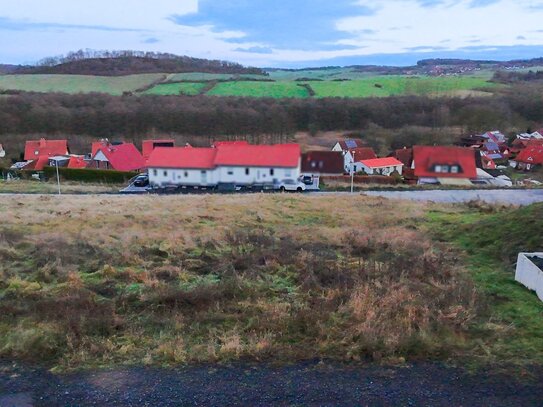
(34, 149)
(116, 156)
(323, 163)
(353, 157)
(147, 146)
(382, 166)
(346, 145)
(444, 165)
(239, 164)
(530, 157)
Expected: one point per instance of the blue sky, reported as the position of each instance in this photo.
(288, 33)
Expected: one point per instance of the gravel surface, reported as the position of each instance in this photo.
(311, 384)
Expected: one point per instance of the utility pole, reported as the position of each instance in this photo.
(352, 173)
(58, 177)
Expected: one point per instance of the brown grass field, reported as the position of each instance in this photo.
(108, 280)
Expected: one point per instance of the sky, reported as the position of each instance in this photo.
(277, 33)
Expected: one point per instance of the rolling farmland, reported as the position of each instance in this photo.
(78, 83)
(334, 82)
(180, 88)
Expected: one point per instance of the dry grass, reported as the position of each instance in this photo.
(67, 187)
(106, 280)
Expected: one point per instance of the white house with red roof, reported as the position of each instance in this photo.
(382, 166)
(444, 165)
(116, 156)
(226, 163)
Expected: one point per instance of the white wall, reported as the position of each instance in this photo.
(192, 177)
(236, 175)
(529, 274)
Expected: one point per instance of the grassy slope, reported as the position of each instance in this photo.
(77, 83)
(206, 278)
(259, 89)
(183, 88)
(512, 327)
(201, 76)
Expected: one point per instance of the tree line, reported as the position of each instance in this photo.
(113, 63)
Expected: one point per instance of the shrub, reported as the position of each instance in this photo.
(90, 175)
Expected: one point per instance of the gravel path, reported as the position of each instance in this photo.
(262, 385)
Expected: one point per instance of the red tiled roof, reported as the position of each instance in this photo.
(47, 148)
(40, 163)
(148, 146)
(77, 162)
(230, 143)
(427, 157)
(122, 157)
(532, 154)
(363, 153)
(323, 162)
(382, 162)
(182, 157)
(278, 155)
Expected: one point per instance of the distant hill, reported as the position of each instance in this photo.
(118, 63)
(8, 68)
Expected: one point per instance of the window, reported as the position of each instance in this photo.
(247, 171)
(230, 171)
(155, 173)
(313, 164)
(186, 174)
(455, 169)
(272, 172)
(36, 152)
(165, 173)
(321, 165)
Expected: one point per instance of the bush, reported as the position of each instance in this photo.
(90, 175)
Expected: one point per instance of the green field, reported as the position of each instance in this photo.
(78, 83)
(259, 89)
(201, 76)
(398, 85)
(181, 88)
(336, 82)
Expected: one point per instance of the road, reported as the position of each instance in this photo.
(492, 196)
(300, 384)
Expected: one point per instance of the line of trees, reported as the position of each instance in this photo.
(113, 63)
(100, 115)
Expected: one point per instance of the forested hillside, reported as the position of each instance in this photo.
(115, 63)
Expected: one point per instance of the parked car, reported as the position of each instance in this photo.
(289, 185)
(137, 185)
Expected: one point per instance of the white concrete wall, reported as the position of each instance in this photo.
(529, 274)
(166, 176)
(238, 175)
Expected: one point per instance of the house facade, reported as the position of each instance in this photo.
(353, 157)
(225, 164)
(116, 156)
(444, 165)
(382, 166)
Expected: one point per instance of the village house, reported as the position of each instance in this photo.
(530, 157)
(116, 156)
(353, 157)
(147, 146)
(319, 163)
(444, 165)
(346, 145)
(34, 149)
(382, 166)
(227, 163)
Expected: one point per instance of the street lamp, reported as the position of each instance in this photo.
(56, 160)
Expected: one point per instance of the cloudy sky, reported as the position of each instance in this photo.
(289, 33)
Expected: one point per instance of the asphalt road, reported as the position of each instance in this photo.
(497, 196)
(303, 384)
